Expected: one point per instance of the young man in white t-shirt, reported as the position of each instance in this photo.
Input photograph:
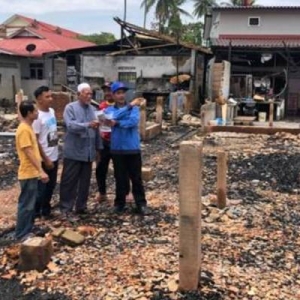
(45, 127)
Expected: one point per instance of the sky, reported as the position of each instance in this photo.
(92, 16)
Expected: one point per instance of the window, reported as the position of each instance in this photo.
(127, 77)
(36, 71)
(254, 21)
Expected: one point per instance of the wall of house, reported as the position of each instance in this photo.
(30, 85)
(274, 22)
(9, 69)
(108, 67)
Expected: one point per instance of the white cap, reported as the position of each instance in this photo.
(83, 86)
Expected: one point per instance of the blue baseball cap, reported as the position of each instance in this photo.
(118, 85)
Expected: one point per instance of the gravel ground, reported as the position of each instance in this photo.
(250, 250)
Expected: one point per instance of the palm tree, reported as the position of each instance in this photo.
(125, 10)
(164, 10)
(237, 3)
(202, 7)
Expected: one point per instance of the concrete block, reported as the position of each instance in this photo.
(72, 238)
(35, 254)
(57, 232)
(152, 131)
(147, 174)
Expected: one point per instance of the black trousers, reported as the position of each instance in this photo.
(45, 191)
(102, 170)
(128, 165)
(75, 184)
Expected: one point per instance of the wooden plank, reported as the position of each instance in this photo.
(271, 114)
(221, 179)
(190, 189)
(159, 109)
(174, 108)
(143, 119)
(252, 129)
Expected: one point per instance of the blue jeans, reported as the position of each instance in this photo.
(26, 206)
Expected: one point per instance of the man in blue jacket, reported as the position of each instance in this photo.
(125, 149)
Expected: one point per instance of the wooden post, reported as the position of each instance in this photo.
(190, 191)
(174, 108)
(143, 119)
(187, 102)
(19, 97)
(203, 116)
(221, 179)
(159, 109)
(271, 114)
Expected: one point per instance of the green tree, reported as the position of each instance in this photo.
(99, 38)
(165, 10)
(202, 7)
(192, 33)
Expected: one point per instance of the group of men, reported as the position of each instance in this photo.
(84, 143)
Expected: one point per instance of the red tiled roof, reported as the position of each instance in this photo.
(257, 41)
(46, 38)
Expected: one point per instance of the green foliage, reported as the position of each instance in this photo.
(167, 12)
(99, 38)
(192, 33)
(202, 7)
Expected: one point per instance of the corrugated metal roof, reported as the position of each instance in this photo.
(39, 25)
(46, 37)
(263, 41)
(255, 7)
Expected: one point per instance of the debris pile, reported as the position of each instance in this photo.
(250, 249)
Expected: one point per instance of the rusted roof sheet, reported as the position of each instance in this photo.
(134, 29)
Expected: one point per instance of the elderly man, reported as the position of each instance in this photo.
(81, 145)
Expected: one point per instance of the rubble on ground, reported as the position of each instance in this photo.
(250, 249)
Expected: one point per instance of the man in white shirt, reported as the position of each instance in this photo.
(45, 127)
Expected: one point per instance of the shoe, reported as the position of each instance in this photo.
(143, 210)
(82, 212)
(118, 209)
(47, 217)
(40, 231)
(37, 216)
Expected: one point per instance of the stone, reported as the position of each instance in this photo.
(147, 174)
(57, 232)
(35, 254)
(172, 286)
(72, 238)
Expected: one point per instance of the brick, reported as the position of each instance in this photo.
(57, 232)
(147, 174)
(35, 254)
(60, 100)
(72, 238)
